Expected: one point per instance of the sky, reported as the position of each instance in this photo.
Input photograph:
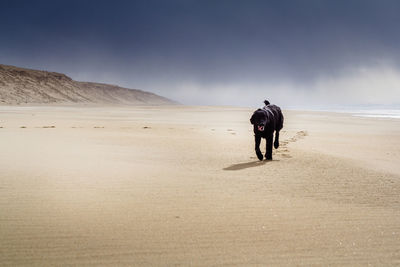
(298, 53)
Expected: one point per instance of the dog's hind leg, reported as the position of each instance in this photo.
(276, 143)
(257, 139)
(268, 153)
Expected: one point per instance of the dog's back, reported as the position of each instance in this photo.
(277, 114)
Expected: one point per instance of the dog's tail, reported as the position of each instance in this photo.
(266, 102)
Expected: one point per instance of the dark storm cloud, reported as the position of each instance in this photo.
(204, 45)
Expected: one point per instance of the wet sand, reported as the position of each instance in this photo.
(182, 186)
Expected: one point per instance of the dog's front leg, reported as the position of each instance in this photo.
(276, 143)
(268, 152)
(258, 151)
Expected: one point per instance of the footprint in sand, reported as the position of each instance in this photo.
(284, 151)
(231, 131)
(297, 136)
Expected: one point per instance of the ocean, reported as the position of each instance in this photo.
(392, 112)
(376, 113)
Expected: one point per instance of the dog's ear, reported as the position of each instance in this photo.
(252, 119)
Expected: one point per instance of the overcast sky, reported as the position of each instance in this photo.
(296, 53)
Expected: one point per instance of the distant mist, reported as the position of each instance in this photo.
(361, 86)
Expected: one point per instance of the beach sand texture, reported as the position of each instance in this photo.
(182, 186)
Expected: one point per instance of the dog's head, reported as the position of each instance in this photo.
(259, 120)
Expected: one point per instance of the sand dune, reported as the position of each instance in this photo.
(182, 186)
(23, 86)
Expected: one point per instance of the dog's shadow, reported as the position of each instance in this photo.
(246, 165)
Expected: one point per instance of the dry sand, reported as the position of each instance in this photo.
(182, 186)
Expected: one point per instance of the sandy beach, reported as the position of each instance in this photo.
(180, 185)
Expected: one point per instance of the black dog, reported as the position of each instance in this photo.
(265, 122)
